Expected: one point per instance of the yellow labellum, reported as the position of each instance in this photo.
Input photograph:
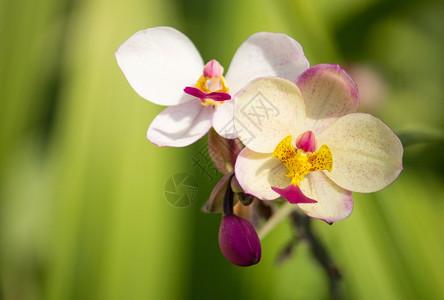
(300, 163)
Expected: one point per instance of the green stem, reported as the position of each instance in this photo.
(284, 211)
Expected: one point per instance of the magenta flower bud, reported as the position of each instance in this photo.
(238, 241)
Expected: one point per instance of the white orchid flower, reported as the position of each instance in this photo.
(163, 66)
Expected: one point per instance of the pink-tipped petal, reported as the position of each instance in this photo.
(258, 172)
(266, 54)
(293, 194)
(367, 155)
(266, 111)
(180, 125)
(306, 142)
(333, 202)
(329, 93)
(213, 69)
(158, 63)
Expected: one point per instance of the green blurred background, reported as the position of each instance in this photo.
(82, 210)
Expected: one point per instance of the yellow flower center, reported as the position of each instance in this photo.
(209, 85)
(299, 162)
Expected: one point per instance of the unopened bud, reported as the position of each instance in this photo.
(238, 241)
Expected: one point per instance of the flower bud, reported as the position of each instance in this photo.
(238, 241)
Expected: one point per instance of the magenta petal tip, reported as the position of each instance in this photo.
(293, 194)
(239, 241)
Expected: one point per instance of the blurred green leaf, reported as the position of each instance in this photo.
(420, 135)
(83, 215)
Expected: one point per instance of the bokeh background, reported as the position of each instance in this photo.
(82, 209)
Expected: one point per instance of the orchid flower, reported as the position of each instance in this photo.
(308, 144)
(163, 66)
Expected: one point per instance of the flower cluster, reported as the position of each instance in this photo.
(284, 130)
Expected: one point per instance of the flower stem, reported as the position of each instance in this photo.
(284, 211)
(228, 199)
(304, 232)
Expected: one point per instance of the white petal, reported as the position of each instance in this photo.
(266, 111)
(257, 172)
(159, 63)
(266, 54)
(334, 203)
(367, 155)
(329, 93)
(180, 125)
(223, 120)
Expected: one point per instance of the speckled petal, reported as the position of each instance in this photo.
(329, 93)
(266, 54)
(258, 172)
(334, 203)
(266, 111)
(159, 63)
(367, 155)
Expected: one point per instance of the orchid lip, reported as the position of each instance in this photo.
(293, 194)
(211, 87)
(216, 96)
(299, 163)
